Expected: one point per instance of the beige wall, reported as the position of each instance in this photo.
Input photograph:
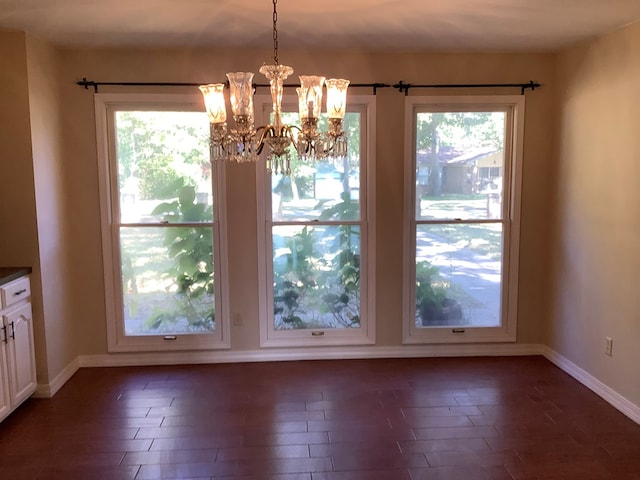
(52, 197)
(596, 257)
(83, 234)
(18, 221)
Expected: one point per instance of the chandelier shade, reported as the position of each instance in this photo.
(310, 96)
(214, 102)
(337, 97)
(243, 142)
(241, 96)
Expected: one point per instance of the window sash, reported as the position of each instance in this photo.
(509, 219)
(270, 337)
(106, 107)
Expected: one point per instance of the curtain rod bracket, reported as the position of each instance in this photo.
(530, 85)
(376, 86)
(88, 83)
(403, 87)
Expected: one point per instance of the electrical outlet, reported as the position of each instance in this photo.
(608, 349)
(237, 320)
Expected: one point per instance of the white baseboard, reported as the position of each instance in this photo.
(322, 353)
(625, 406)
(48, 390)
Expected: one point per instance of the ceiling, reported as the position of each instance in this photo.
(440, 25)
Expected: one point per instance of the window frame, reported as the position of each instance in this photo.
(106, 105)
(514, 107)
(365, 334)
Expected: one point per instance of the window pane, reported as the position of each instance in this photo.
(458, 275)
(324, 189)
(164, 173)
(459, 165)
(316, 277)
(167, 280)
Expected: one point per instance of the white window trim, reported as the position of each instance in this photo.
(105, 105)
(365, 335)
(514, 143)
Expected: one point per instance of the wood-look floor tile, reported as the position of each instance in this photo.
(353, 414)
(285, 476)
(285, 439)
(370, 404)
(209, 431)
(375, 423)
(271, 451)
(561, 441)
(186, 470)
(157, 457)
(273, 428)
(87, 445)
(578, 469)
(462, 445)
(414, 399)
(22, 471)
(86, 472)
(260, 418)
(384, 474)
(460, 459)
(377, 460)
(455, 432)
(196, 443)
(356, 448)
(263, 466)
(226, 420)
(367, 434)
(459, 473)
(417, 412)
(78, 459)
(436, 422)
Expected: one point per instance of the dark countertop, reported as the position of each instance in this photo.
(7, 274)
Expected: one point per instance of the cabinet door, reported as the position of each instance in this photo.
(21, 354)
(5, 403)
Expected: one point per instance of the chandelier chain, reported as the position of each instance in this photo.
(275, 33)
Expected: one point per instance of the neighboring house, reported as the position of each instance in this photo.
(465, 173)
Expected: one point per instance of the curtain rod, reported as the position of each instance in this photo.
(400, 86)
(404, 87)
(90, 83)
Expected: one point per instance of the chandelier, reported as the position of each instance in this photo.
(243, 142)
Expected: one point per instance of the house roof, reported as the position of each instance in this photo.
(451, 156)
(471, 157)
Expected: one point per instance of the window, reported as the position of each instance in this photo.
(463, 173)
(316, 275)
(162, 217)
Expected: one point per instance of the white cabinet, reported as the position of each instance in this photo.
(5, 400)
(17, 354)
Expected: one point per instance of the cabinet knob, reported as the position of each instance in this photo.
(20, 292)
(13, 331)
(4, 330)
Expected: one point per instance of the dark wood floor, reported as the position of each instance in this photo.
(463, 419)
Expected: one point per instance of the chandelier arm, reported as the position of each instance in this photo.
(288, 129)
(267, 131)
